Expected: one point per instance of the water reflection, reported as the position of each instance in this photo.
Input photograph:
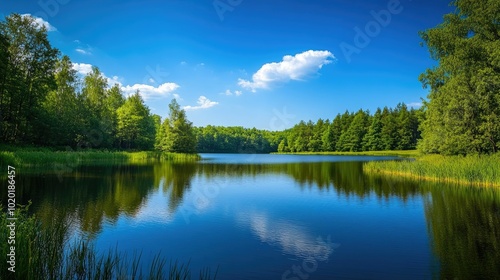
(290, 238)
(463, 223)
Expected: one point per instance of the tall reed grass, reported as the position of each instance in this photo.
(44, 252)
(481, 170)
(43, 157)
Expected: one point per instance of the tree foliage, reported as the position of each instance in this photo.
(28, 67)
(177, 131)
(463, 112)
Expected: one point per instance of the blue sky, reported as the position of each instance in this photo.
(263, 64)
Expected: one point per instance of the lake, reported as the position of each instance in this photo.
(278, 217)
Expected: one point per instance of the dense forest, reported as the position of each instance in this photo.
(387, 129)
(43, 102)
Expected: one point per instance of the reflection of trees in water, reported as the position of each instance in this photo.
(91, 195)
(175, 180)
(464, 224)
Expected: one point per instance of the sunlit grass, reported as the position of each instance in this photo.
(474, 169)
(45, 252)
(28, 157)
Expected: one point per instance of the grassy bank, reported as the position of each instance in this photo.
(408, 153)
(481, 170)
(29, 157)
(44, 252)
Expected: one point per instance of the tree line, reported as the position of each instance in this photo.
(387, 129)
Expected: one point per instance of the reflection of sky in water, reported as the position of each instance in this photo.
(292, 239)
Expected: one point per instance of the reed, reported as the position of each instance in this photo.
(44, 252)
(481, 170)
(44, 157)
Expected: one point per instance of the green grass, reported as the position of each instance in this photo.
(44, 252)
(483, 170)
(29, 157)
(407, 153)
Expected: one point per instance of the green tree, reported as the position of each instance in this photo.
(29, 64)
(98, 128)
(136, 128)
(60, 106)
(463, 112)
(404, 129)
(114, 100)
(352, 139)
(389, 133)
(372, 140)
(179, 133)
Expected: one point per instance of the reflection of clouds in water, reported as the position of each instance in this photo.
(293, 239)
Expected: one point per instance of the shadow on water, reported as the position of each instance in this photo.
(463, 222)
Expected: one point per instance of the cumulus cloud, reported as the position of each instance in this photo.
(146, 91)
(295, 67)
(82, 68)
(41, 22)
(203, 103)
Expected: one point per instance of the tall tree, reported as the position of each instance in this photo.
(463, 112)
(99, 128)
(373, 140)
(30, 75)
(136, 129)
(60, 106)
(352, 139)
(179, 131)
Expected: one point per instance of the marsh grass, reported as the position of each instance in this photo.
(483, 170)
(40, 157)
(44, 252)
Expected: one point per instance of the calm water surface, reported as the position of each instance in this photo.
(279, 217)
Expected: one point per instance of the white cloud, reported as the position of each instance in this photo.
(41, 22)
(295, 67)
(146, 91)
(82, 51)
(82, 68)
(178, 97)
(203, 103)
(229, 92)
(414, 104)
(113, 81)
